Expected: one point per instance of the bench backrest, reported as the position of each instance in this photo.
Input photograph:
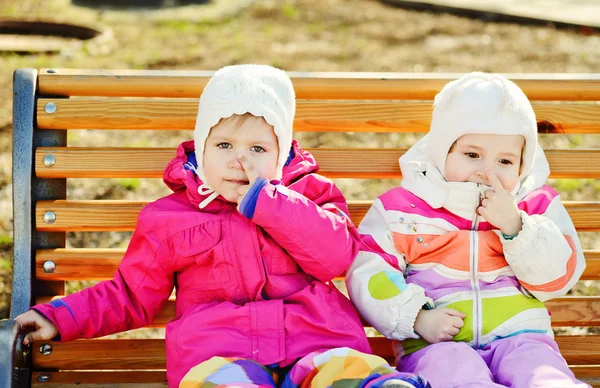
(50, 102)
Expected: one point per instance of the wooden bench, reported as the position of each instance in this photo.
(48, 102)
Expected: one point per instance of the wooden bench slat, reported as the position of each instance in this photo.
(119, 354)
(366, 86)
(103, 162)
(575, 311)
(325, 116)
(114, 354)
(78, 264)
(100, 264)
(106, 215)
(82, 216)
(566, 311)
(99, 379)
(155, 379)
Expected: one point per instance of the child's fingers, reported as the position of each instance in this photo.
(494, 181)
(482, 211)
(248, 168)
(458, 322)
(455, 313)
(26, 319)
(22, 321)
(33, 336)
(27, 339)
(43, 333)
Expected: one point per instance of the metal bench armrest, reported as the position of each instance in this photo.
(14, 371)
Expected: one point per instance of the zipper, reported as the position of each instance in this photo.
(474, 253)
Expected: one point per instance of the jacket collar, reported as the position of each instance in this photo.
(422, 178)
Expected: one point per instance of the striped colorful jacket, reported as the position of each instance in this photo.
(426, 247)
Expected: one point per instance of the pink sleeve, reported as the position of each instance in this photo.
(141, 285)
(310, 220)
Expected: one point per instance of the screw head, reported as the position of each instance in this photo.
(49, 160)
(43, 378)
(50, 108)
(49, 266)
(46, 349)
(49, 217)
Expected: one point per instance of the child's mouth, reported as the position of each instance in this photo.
(238, 181)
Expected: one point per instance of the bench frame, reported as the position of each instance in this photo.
(28, 189)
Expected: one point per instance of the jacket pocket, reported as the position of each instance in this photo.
(204, 262)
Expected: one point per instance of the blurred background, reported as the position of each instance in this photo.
(453, 36)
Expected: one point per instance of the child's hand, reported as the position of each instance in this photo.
(43, 329)
(438, 325)
(251, 174)
(500, 208)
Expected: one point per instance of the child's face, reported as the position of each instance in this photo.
(471, 154)
(239, 135)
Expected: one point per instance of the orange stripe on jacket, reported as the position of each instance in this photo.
(451, 249)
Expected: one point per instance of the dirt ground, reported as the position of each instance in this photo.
(301, 35)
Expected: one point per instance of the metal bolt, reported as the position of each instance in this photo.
(49, 160)
(52, 71)
(49, 266)
(49, 217)
(50, 108)
(43, 378)
(46, 349)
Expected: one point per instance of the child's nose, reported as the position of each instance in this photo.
(481, 174)
(235, 164)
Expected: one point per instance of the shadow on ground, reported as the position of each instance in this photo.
(142, 4)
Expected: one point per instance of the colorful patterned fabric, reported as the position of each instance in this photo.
(336, 368)
(425, 246)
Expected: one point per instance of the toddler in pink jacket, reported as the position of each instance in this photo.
(250, 238)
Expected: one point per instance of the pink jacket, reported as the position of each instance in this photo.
(256, 288)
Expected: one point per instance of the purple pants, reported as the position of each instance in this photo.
(522, 361)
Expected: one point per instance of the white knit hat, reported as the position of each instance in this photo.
(481, 103)
(260, 90)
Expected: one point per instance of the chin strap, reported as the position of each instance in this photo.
(204, 189)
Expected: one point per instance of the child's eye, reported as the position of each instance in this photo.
(258, 149)
(224, 145)
(505, 161)
(471, 155)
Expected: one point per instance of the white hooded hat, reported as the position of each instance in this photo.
(481, 103)
(260, 90)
